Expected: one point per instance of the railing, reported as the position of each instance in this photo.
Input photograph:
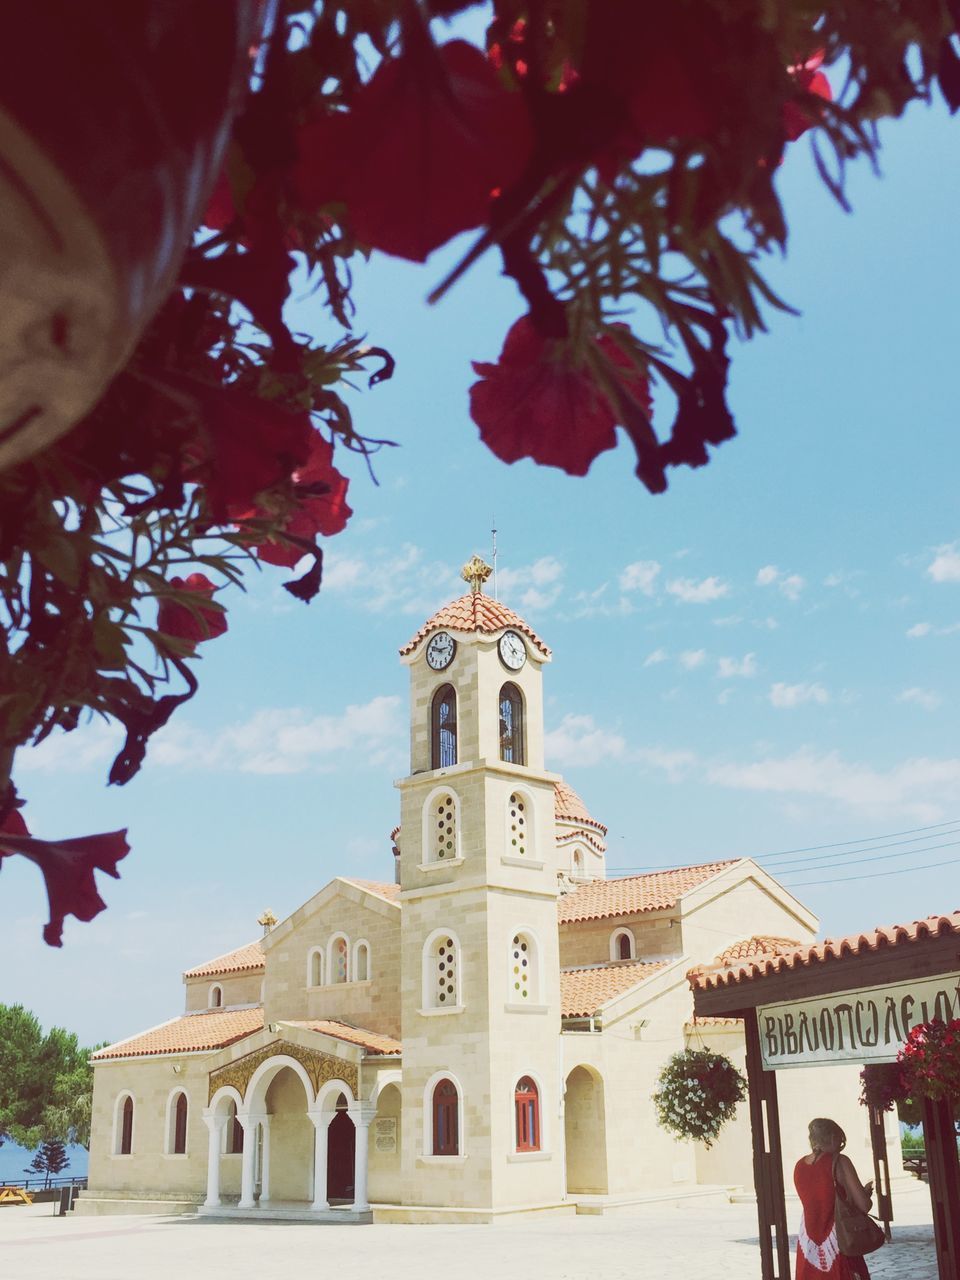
(42, 1183)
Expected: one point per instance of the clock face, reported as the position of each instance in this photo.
(513, 652)
(440, 650)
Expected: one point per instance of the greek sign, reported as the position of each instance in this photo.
(853, 1026)
(385, 1133)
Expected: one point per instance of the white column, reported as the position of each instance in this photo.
(361, 1113)
(265, 1161)
(214, 1125)
(321, 1123)
(249, 1125)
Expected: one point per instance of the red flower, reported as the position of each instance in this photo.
(191, 625)
(426, 141)
(321, 505)
(798, 117)
(67, 867)
(534, 402)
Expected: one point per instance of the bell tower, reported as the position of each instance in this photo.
(478, 880)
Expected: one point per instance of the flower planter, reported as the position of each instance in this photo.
(114, 117)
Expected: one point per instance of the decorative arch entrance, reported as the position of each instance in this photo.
(585, 1132)
(341, 1154)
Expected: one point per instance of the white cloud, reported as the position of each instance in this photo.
(788, 696)
(727, 668)
(288, 740)
(945, 566)
(675, 764)
(690, 659)
(920, 629)
(924, 698)
(640, 576)
(789, 585)
(86, 747)
(531, 586)
(396, 580)
(580, 741)
(658, 655)
(920, 788)
(703, 592)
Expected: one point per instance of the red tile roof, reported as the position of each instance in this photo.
(855, 944)
(195, 1032)
(583, 991)
(758, 945)
(372, 1041)
(568, 807)
(630, 895)
(245, 958)
(381, 888)
(472, 613)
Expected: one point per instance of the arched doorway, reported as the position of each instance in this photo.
(385, 1180)
(291, 1138)
(585, 1132)
(341, 1149)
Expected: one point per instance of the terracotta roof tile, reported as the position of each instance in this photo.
(758, 945)
(855, 944)
(370, 1040)
(212, 1029)
(381, 888)
(583, 991)
(629, 895)
(472, 613)
(711, 1021)
(568, 807)
(243, 959)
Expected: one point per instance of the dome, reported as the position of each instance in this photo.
(476, 613)
(571, 810)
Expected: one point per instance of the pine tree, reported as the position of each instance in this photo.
(49, 1158)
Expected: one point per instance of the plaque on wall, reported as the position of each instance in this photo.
(385, 1133)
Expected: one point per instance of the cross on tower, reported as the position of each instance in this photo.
(476, 572)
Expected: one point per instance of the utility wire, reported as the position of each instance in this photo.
(869, 842)
(845, 861)
(929, 866)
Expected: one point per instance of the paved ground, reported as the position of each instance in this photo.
(689, 1243)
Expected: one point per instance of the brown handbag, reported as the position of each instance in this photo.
(857, 1232)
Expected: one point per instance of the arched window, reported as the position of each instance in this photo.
(519, 825)
(215, 999)
(524, 969)
(124, 1137)
(232, 1131)
(622, 945)
(361, 962)
(446, 1119)
(441, 971)
(177, 1142)
(511, 724)
(526, 1101)
(442, 828)
(443, 723)
(339, 959)
(315, 968)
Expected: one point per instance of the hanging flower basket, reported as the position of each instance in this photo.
(929, 1062)
(697, 1093)
(882, 1086)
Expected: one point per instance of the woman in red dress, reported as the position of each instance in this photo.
(817, 1251)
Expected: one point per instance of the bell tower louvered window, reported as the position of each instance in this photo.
(511, 725)
(444, 728)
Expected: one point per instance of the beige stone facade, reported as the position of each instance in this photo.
(480, 1036)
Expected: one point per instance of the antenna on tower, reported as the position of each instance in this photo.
(494, 533)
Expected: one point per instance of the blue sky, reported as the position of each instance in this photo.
(763, 659)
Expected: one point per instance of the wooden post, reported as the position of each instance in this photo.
(943, 1170)
(767, 1158)
(881, 1168)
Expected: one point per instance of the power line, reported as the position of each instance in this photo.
(868, 841)
(845, 861)
(929, 866)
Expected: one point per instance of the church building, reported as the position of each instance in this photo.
(478, 1035)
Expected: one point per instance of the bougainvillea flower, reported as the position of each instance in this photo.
(246, 444)
(426, 141)
(321, 506)
(67, 867)
(192, 625)
(798, 117)
(535, 403)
